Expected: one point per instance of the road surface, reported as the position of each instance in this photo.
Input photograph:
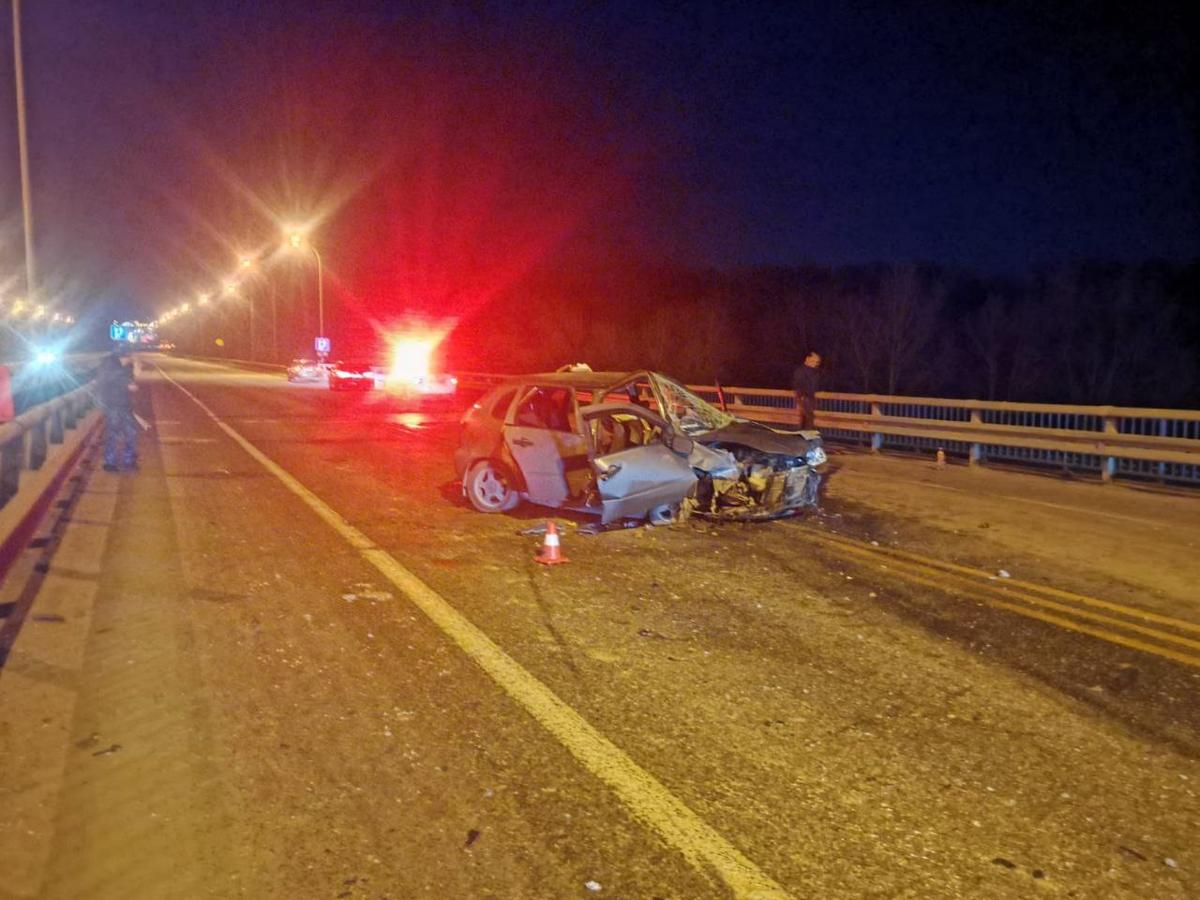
(287, 660)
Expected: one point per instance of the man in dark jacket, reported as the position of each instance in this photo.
(804, 382)
(114, 393)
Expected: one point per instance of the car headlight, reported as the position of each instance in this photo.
(815, 456)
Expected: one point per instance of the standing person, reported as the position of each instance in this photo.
(804, 383)
(114, 393)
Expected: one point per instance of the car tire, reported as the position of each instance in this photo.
(664, 514)
(489, 487)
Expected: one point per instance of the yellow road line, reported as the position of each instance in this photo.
(930, 578)
(1004, 593)
(644, 796)
(1132, 611)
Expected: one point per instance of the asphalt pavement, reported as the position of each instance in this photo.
(286, 659)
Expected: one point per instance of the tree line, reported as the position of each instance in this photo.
(1087, 333)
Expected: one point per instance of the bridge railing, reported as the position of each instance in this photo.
(25, 440)
(1114, 441)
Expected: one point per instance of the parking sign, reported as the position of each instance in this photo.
(322, 344)
(116, 332)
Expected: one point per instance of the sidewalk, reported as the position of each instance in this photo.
(104, 636)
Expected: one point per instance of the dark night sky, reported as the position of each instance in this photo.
(451, 148)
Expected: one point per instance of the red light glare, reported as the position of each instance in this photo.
(411, 358)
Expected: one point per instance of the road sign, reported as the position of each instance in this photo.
(116, 332)
(322, 345)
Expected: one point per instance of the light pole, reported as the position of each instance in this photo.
(246, 263)
(296, 239)
(23, 145)
(274, 323)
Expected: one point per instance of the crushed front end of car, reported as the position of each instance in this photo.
(758, 485)
(747, 470)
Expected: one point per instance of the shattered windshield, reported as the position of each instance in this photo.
(686, 410)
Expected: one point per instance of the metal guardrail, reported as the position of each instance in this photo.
(25, 440)
(1115, 441)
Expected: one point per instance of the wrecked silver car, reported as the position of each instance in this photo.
(629, 445)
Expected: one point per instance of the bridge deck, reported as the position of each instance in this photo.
(285, 660)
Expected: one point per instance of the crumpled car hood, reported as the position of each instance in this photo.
(760, 437)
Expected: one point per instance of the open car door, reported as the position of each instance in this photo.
(635, 469)
(540, 440)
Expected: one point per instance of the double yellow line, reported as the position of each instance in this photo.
(1127, 626)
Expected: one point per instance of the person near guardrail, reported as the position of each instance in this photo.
(115, 387)
(804, 382)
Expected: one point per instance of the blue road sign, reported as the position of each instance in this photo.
(322, 344)
(116, 332)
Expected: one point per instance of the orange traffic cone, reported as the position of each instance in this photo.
(551, 554)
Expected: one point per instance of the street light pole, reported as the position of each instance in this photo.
(23, 143)
(274, 323)
(320, 293)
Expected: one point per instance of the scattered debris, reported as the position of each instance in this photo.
(90, 741)
(472, 836)
(1003, 574)
(593, 886)
(1007, 863)
(647, 633)
(1171, 863)
(48, 617)
(1038, 873)
(107, 750)
(1131, 852)
(349, 598)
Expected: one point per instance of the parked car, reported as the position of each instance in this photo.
(355, 376)
(305, 370)
(629, 445)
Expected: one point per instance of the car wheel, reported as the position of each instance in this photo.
(490, 488)
(664, 514)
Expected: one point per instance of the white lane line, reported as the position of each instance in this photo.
(644, 795)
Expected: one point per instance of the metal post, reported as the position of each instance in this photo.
(320, 293)
(11, 454)
(975, 455)
(274, 323)
(1108, 469)
(23, 146)
(876, 437)
(37, 445)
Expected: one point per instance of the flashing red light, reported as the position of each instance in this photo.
(411, 359)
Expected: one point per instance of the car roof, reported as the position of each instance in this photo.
(578, 380)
